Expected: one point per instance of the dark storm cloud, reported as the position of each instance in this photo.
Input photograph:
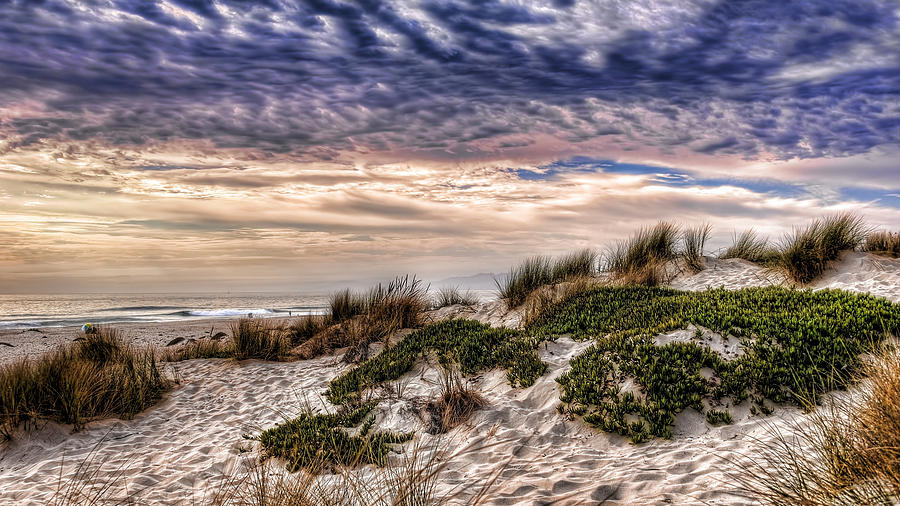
(815, 78)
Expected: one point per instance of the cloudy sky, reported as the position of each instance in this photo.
(194, 145)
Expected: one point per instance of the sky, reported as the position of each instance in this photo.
(236, 145)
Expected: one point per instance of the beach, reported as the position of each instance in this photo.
(191, 442)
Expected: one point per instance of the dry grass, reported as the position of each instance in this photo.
(849, 454)
(456, 403)
(641, 258)
(453, 296)
(805, 254)
(883, 243)
(96, 377)
(410, 480)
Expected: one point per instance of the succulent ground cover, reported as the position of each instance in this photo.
(471, 345)
(797, 345)
(315, 442)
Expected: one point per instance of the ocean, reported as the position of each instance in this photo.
(30, 311)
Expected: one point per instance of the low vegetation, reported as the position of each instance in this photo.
(408, 478)
(539, 271)
(404, 296)
(751, 247)
(358, 319)
(848, 455)
(641, 258)
(805, 254)
(96, 377)
(797, 345)
(542, 298)
(883, 243)
(453, 296)
(694, 240)
(455, 404)
(719, 417)
(250, 338)
(201, 348)
(317, 442)
(259, 338)
(305, 328)
(470, 345)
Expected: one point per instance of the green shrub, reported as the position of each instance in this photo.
(317, 442)
(470, 344)
(719, 417)
(797, 345)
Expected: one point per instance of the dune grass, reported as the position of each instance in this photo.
(883, 243)
(751, 247)
(453, 296)
(201, 348)
(97, 377)
(797, 345)
(640, 259)
(259, 338)
(848, 455)
(539, 271)
(804, 254)
(693, 241)
(404, 296)
(306, 328)
(359, 319)
(455, 404)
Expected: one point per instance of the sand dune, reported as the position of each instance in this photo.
(181, 447)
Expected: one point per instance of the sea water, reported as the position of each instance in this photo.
(31, 311)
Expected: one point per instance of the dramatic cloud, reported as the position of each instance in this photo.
(274, 143)
(792, 79)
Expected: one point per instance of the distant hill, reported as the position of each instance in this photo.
(480, 281)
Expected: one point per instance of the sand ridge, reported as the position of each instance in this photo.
(179, 447)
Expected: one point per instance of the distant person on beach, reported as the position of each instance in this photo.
(89, 328)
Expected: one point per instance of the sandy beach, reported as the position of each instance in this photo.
(176, 451)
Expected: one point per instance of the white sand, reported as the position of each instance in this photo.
(195, 435)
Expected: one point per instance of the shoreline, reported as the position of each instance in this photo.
(39, 340)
